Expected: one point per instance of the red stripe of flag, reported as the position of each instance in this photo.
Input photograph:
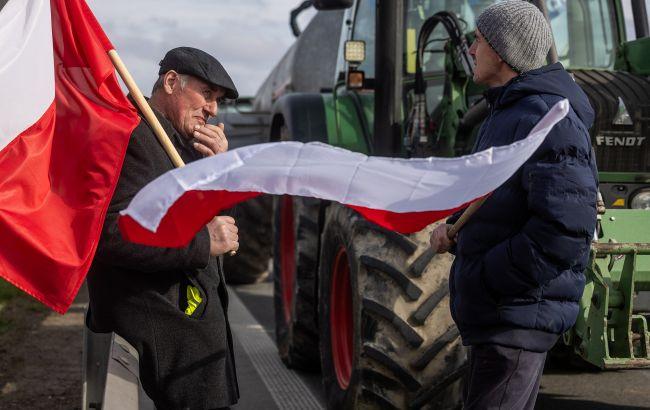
(59, 175)
(194, 209)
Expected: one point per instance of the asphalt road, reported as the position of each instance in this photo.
(561, 387)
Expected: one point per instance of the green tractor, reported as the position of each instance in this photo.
(370, 307)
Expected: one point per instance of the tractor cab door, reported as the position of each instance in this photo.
(354, 104)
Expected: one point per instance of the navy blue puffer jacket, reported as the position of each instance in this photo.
(518, 272)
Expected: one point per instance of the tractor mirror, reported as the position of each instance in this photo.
(355, 51)
(332, 4)
(355, 79)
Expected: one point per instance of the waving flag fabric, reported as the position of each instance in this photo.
(64, 129)
(400, 194)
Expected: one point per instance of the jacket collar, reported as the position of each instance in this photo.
(182, 144)
(498, 96)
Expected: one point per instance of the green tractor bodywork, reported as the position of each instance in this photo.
(612, 329)
(349, 120)
(633, 57)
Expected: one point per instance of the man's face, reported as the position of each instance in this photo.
(193, 104)
(488, 64)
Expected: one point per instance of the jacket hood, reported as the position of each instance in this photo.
(551, 79)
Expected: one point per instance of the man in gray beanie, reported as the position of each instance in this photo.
(518, 273)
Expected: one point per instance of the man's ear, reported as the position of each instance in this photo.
(170, 81)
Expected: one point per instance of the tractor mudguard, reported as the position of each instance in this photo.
(304, 116)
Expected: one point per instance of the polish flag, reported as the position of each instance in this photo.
(64, 128)
(404, 195)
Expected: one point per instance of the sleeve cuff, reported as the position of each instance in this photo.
(199, 250)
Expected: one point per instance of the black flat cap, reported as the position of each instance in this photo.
(192, 61)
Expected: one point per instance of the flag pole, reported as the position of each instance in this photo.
(473, 207)
(146, 110)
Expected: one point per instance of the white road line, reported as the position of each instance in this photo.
(287, 388)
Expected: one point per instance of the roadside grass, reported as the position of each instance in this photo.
(7, 292)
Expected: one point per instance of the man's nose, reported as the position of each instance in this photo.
(472, 48)
(211, 108)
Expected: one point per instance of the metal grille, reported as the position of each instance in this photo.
(619, 148)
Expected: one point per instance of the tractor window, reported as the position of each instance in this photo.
(583, 32)
(417, 11)
(364, 29)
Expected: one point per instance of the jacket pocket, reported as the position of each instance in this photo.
(474, 304)
(492, 294)
(192, 298)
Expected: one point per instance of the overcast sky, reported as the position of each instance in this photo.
(247, 36)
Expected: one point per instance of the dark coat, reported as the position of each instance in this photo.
(518, 272)
(139, 292)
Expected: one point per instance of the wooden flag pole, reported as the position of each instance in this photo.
(473, 207)
(146, 110)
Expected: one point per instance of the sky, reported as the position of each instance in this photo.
(248, 37)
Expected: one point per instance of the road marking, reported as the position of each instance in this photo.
(286, 387)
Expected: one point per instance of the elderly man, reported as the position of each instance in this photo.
(170, 304)
(518, 273)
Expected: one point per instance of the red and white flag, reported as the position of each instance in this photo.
(64, 128)
(400, 194)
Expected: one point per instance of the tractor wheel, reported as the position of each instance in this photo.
(251, 263)
(295, 256)
(563, 355)
(387, 339)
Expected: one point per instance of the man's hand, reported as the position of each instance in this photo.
(223, 235)
(440, 242)
(210, 139)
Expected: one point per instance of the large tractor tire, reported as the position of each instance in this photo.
(251, 263)
(295, 263)
(387, 339)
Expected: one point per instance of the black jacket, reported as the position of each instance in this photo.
(518, 273)
(139, 292)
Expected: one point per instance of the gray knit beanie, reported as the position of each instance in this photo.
(518, 32)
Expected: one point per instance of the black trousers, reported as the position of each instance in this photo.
(501, 377)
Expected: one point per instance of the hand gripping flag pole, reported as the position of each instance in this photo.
(469, 211)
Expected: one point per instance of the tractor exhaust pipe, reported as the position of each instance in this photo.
(552, 53)
(388, 68)
(640, 13)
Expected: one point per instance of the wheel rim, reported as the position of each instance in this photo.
(287, 255)
(341, 327)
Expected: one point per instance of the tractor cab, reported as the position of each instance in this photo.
(417, 84)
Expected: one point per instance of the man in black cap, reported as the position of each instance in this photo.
(170, 303)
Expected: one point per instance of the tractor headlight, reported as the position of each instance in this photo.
(641, 200)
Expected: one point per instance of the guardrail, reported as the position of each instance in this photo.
(111, 374)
